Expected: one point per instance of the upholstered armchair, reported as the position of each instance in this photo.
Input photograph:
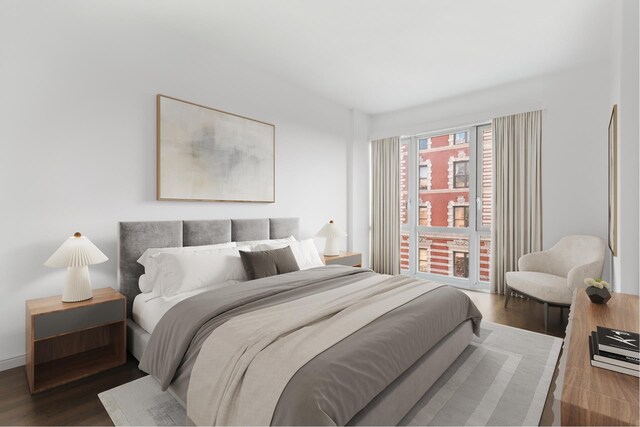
(550, 277)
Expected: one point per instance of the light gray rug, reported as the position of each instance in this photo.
(502, 378)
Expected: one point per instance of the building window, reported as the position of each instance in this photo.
(460, 174)
(425, 214)
(461, 138)
(425, 177)
(423, 260)
(461, 216)
(461, 264)
(424, 143)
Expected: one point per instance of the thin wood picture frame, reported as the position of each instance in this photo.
(210, 155)
(613, 180)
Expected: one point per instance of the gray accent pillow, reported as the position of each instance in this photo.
(261, 264)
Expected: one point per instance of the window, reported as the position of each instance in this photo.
(425, 215)
(424, 260)
(461, 216)
(461, 174)
(404, 184)
(424, 177)
(485, 180)
(461, 138)
(461, 264)
(485, 188)
(446, 205)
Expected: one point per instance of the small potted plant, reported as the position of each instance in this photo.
(598, 290)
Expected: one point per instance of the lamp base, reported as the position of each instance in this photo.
(331, 247)
(78, 286)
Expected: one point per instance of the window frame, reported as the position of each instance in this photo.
(426, 209)
(465, 215)
(420, 177)
(482, 231)
(480, 157)
(413, 229)
(455, 175)
(465, 255)
(466, 139)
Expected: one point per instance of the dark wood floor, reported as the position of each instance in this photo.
(522, 313)
(78, 404)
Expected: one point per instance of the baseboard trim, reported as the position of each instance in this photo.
(13, 362)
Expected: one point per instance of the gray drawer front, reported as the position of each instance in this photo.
(60, 322)
(349, 260)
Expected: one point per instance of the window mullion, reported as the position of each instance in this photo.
(413, 205)
(474, 263)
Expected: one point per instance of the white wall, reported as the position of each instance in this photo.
(576, 106)
(625, 93)
(359, 190)
(77, 138)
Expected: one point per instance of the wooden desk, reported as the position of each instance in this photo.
(590, 395)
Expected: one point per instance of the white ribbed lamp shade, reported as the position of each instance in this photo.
(332, 233)
(331, 230)
(76, 253)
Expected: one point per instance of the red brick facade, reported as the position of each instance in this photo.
(443, 194)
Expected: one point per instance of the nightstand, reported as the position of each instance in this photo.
(67, 341)
(352, 259)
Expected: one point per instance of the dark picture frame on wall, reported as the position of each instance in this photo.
(613, 180)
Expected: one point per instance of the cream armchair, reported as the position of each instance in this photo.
(551, 276)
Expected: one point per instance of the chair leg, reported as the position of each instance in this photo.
(546, 316)
(508, 294)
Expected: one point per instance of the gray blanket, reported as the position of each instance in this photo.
(333, 387)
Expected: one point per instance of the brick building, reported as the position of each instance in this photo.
(443, 201)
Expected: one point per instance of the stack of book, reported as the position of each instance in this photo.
(615, 350)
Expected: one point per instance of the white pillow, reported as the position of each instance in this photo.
(186, 271)
(154, 251)
(268, 242)
(145, 285)
(304, 251)
(151, 270)
(310, 254)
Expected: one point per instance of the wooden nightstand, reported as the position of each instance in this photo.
(353, 259)
(67, 341)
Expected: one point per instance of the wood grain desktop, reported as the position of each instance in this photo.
(595, 396)
(352, 259)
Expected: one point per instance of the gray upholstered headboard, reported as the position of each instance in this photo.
(136, 237)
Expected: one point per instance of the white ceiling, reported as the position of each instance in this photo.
(383, 55)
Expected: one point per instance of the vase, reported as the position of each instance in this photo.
(597, 295)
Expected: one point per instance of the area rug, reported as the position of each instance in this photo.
(502, 378)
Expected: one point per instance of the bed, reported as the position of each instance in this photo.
(366, 364)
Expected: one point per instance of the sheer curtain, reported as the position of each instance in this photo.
(385, 209)
(517, 201)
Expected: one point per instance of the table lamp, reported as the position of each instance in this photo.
(76, 253)
(332, 232)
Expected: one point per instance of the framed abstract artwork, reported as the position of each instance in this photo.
(613, 181)
(206, 154)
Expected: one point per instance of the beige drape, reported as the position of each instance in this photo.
(517, 203)
(385, 206)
